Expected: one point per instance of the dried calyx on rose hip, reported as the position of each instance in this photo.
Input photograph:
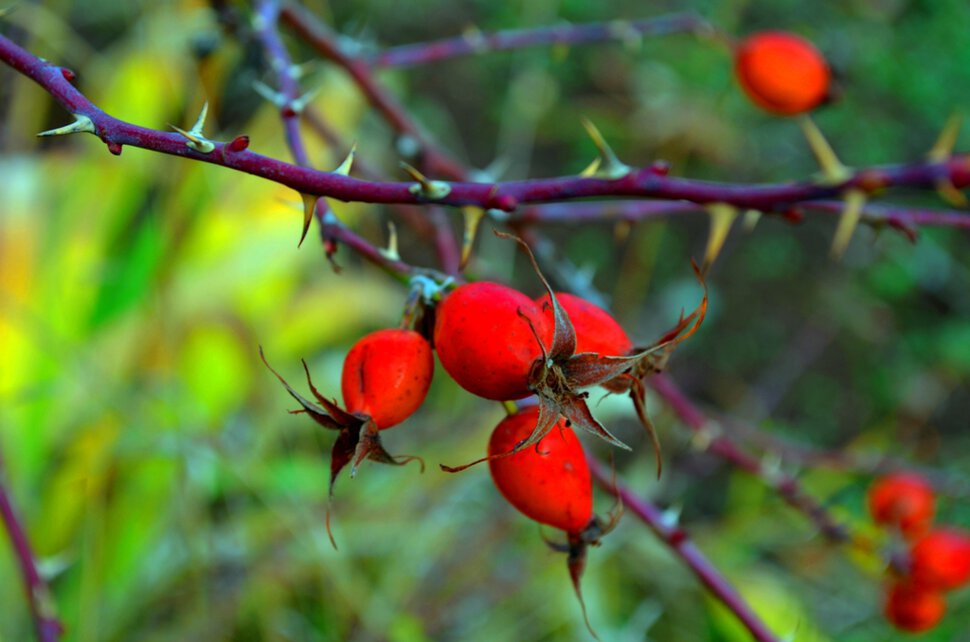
(598, 333)
(385, 378)
(559, 373)
(550, 484)
(904, 501)
(781, 72)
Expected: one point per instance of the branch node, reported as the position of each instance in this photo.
(426, 188)
(609, 166)
(196, 139)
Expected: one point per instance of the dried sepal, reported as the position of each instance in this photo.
(358, 437)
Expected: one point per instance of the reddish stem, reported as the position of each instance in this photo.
(477, 43)
(46, 624)
(319, 36)
(679, 542)
(504, 196)
(785, 485)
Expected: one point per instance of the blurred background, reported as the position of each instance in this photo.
(169, 495)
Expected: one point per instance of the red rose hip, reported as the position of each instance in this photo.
(904, 501)
(484, 340)
(386, 375)
(781, 72)
(549, 482)
(941, 559)
(913, 608)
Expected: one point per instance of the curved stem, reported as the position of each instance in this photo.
(677, 539)
(46, 624)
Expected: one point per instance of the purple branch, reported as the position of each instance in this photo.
(710, 431)
(678, 540)
(644, 183)
(46, 624)
(476, 42)
(289, 88)
(319, 36)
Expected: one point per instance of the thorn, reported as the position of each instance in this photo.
(81, 124)
(344, 168)
(623, 31)
(391, 251)
(832, 168)
(197, 139)
(299, 104)
(270, 94)
(722, 216)
(751, 218)
(947, 140)
(473, 217)
(941, 150)
(611, 166)
(854, 200)
(426, 188)
(309, 203)
(591, 168)
(475, 39)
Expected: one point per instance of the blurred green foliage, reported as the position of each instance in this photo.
(171, 497)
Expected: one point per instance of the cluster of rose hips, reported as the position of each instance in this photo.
(499, 344)
(936, 559)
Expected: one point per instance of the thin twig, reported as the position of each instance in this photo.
(46, 624)
(475, 42)
(712, 436)
(679, 542)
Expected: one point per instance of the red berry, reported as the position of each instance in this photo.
(914, 608)
(484, 340)
(781, 72)
(548, 482)
(904, 501)
(596, 330)
(941, 559)
(386, 375)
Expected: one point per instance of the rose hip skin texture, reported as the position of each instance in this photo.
(485, 344)
(941, 559)
(913, 608)
(548, 482)
(902, 500)
(596, 329)
(781, 72)
(386, 375)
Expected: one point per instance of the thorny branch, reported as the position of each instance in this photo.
(507, 196)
